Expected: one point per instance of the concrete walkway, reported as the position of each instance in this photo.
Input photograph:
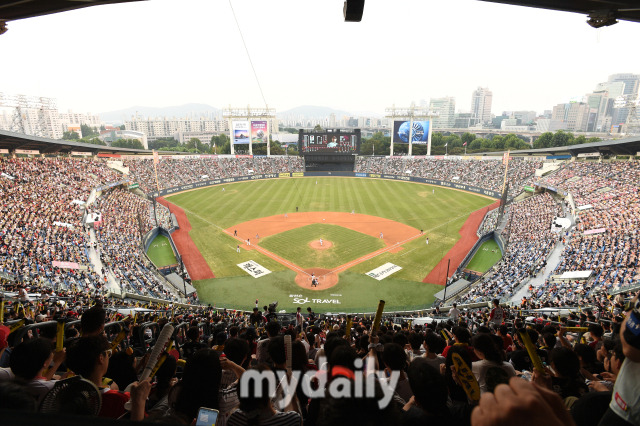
(94, 258)
(552, 263)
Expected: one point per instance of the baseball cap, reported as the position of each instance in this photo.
(4, 333)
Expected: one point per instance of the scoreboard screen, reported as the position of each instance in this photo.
(329, 142)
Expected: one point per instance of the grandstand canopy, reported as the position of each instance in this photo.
(14, 10)
(12, 141)
(627, 146)
(627, 10)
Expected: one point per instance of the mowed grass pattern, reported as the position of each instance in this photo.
(487, 255)
(161, 253)
(347, 245)
(439, 212)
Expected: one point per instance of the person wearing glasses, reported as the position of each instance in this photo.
(89, 357)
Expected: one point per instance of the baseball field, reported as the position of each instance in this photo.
(360, 240)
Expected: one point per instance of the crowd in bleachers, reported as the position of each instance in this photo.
(41, 218)
(471, 367)
(119, 235)
(176, 172)
(489, 223)
(605, 238)
(487, 174)
(43, 202)
(530, 239)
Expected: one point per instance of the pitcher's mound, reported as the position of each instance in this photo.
(315, 244)
(325, 278)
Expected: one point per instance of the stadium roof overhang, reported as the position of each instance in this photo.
(600, 12)
(627, 146)
(13, 141)
(20, 9)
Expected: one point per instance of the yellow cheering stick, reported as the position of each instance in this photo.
(16, 326)
(466, 377)
(60, 335)
(349, 324)
(1, 310)
(531, 350)
(161, 360)
(577, 329)
(118, 339)
(376, 320)
(444, 335)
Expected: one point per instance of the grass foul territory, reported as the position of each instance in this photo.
(161, 253)
(486, 256)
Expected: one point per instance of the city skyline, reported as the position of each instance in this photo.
(150, 54)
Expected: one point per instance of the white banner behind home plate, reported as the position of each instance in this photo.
(384, 271)
(253, 269)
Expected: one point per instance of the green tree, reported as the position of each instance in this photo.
(476, 144)
(94, 141)
(128, 143)
(545, 140)
(87, 131)
(318, 128)
(122, 127)
(71, 136)
(468, 138)
(561, 138)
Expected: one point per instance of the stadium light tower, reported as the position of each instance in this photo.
(241, 125)
(409, 126)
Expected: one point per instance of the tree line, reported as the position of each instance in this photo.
(453, 144)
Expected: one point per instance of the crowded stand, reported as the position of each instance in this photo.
(489, 223)
(604, 241)
(530, 240)
(44, 239)
(174, 364)
(173, 172)
(119, 235)
(41, 221)
(487, 174)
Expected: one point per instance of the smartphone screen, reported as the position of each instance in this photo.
(207, 417)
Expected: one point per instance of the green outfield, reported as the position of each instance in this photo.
(487, 255)
(160, 252)
(439, 212)
(346, 245)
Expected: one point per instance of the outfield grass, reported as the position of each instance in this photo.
(487, 255)
(439, 213)
(348, 245)
(160, 252)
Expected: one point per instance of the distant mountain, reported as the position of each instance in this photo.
(312, 111)
(180, 111)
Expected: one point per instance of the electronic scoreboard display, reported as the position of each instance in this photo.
(327, 142)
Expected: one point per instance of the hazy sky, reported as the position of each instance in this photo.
(169, 52)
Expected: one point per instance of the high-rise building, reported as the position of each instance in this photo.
(446, 110)
(481, 105)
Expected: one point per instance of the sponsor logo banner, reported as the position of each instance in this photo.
(384, 271)
(240, 132)
(254, 269)
(297, 174)
(65, 265)
(27, 151)
(81, 154)
(299, 299)
(284, 174)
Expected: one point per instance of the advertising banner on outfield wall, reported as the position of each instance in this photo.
(259, 132)
(240, 132)
(461, 186)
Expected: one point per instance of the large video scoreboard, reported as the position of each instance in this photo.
(329, 141)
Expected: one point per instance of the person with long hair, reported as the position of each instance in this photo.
(492, 369)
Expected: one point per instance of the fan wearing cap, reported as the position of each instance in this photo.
(5, 373)
(89, 357)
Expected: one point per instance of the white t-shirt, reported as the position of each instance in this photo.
(626, 393)
(454, 313)
(481, 367)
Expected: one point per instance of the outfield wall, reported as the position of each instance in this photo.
(260, 176)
